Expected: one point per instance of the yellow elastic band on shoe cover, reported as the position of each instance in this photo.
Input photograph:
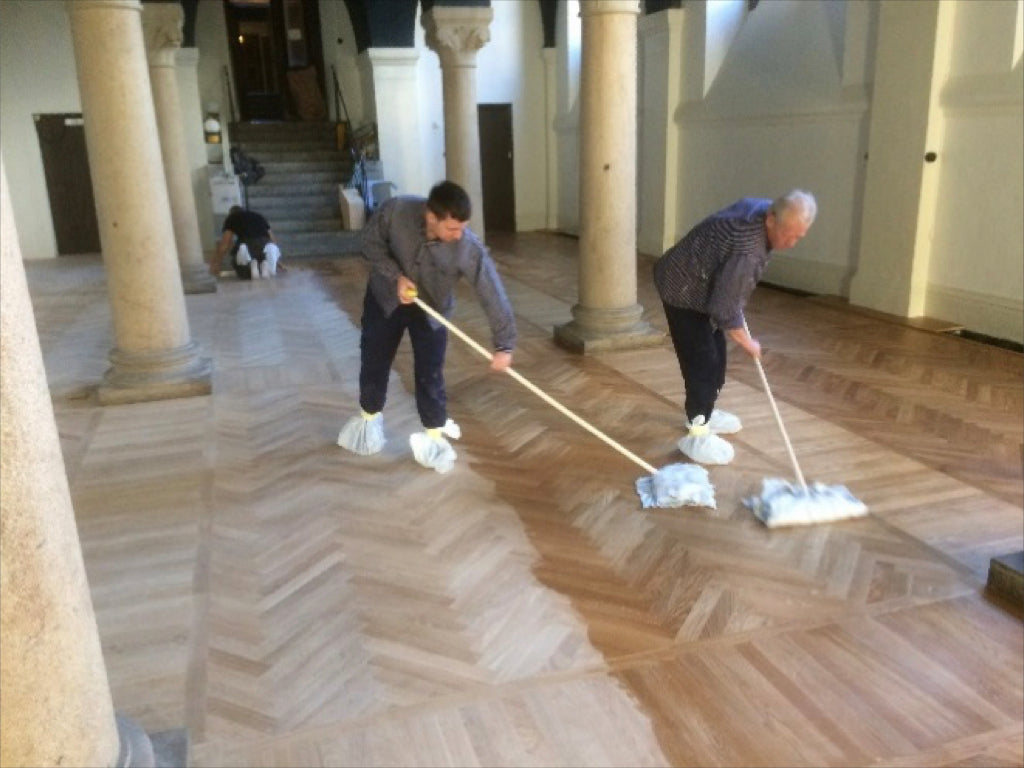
(370, 416)
(435, 433)
(697, 430)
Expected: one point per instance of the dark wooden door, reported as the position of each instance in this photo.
(256, 61)
(497, 167)
(68, 183)
(277, 57)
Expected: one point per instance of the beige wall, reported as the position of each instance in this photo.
(31, 83)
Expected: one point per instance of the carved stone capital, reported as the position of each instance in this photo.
(162, 25)
(457, 33)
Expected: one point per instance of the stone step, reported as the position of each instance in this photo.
(298, 193)
(321, 224)
(277, 214)
(339, 242)
(298, 154)
(290, 188)
(284, 130)
(303, 166)
(327, 198)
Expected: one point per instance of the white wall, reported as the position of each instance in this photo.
(335, 25)
(976, 274)
(567, 115)
(776, 115)
(37, 76)
(510, 69)
(430, 110)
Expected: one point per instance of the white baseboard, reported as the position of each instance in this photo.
(807, 275)
(995, 316)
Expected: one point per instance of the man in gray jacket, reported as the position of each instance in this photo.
(421, 247)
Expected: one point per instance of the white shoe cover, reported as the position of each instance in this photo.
(363, 436)
(452, 430)
(703, 447)
(434, 453)
(721, 423)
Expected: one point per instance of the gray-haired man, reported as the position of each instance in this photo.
(704, 282)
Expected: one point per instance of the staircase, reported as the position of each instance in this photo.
(298, 195)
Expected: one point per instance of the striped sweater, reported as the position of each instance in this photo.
(715, 267)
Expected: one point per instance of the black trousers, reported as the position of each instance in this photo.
(378, 344)
(700, 348)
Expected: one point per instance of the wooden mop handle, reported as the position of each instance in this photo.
(778, 418)
(534, 388)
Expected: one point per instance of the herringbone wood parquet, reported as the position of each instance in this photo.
(295, 605)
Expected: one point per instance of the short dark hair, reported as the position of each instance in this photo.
(449, 199)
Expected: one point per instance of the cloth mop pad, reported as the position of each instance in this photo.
(782, 503)
(704, 447)
(363, 434)
(721, 423)
(677, 485)
(432, 451)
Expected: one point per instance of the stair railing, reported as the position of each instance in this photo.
(339, 100)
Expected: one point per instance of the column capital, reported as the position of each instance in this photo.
(603, 7)
(162, 25)
(457, 33)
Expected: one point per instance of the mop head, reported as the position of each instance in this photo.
(677, 485)
(363, 434)
(782, 503)
(433, 451)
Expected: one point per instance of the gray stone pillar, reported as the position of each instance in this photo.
(396, 94)
(54, 693)
(162, 25)
(456, 34)
(155, 357)
(192, 118)
(608, 315)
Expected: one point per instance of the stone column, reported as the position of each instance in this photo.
(395, 95)
(57, 708)
(162, 23)
(154, 357)
(192, 118)
(607, 315)
(456, 34)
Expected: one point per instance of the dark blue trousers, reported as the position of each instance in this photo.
(379, 342)
(700, 348)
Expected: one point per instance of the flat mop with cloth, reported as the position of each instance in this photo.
(782, 503)
(676, 485)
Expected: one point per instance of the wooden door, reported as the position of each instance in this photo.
(68, 182)
(256, 61)
(277, 57)
(497, 167)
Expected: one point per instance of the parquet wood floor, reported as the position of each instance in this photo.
(295, 605)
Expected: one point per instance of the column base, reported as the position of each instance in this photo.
(164, 749)
(137, 377)
(575, 338)
(197, 279)
(600, 330)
